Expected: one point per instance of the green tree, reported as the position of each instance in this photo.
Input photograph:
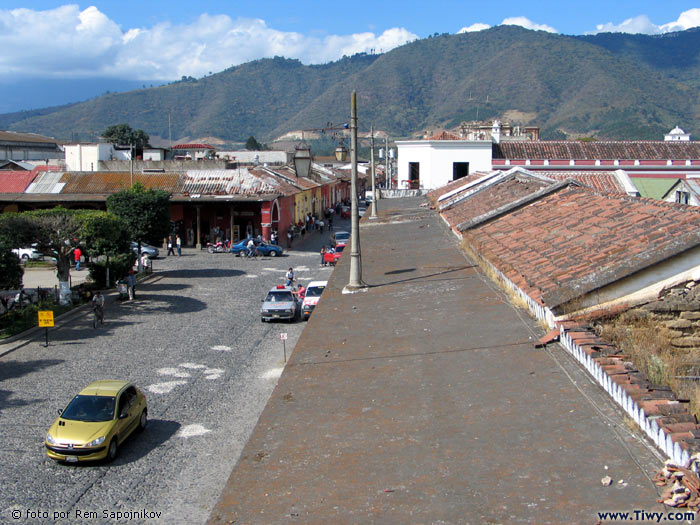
(11, 270)
(124, 135)
(145, 212)
(253, 145)
(105, 234)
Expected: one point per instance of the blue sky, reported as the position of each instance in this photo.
(159, 40)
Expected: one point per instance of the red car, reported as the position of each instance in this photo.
(334, 257)
(345, 212)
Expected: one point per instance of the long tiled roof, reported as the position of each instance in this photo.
(16, 181)
(598, 180)
(576, 240)
(12, 136)
(434, 195)
(598, 150)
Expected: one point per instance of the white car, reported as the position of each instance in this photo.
(313, 294)
(27, 253)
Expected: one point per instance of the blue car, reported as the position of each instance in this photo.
(271, 250)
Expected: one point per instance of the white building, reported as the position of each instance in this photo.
(85, 157)
(256, 157)
(677, 134)
(435, 161)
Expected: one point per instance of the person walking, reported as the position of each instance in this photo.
(330, 223)
(77, 254)
(290, 277)
(98, 304)
(323, 255)
(178, 243)
(171, 251)
(131, 283)
(289, 240)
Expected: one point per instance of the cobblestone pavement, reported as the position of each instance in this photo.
(423, 400)
(192, 340)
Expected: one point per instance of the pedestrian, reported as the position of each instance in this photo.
(299, 292)
(289, 240)
(330, 223)
(131, 283)
(171, 250)
(323, 255)
(178, 243)
(290, 277)
(321, 224)
(273, 237)
(98, 304)
(77, 254)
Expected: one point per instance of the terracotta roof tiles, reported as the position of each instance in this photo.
(597, 150)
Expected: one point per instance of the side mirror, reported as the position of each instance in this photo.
(123, 415)
(60, 411)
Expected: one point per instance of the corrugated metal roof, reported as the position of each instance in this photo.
(15, 181)
(11, 136)
(108, 182)
(226, 182)
(47, 182)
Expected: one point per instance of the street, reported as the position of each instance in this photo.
(192, 340)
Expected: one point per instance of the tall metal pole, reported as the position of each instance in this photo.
(386, 162)
(355, 283)
(373, 215)
(131, 154)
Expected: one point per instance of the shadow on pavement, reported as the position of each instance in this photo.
(212, 272)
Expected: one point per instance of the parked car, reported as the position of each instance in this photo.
(340, 237)
(27, 253)
(146, 249)
(280, 303)
(313, 294)
(96, 422)
(264, 248)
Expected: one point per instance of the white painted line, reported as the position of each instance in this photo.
(189, 431)
(193, 366)
(164, 388)
(220, 348)
(172, 372)
(213, 373)
(273, 373)
(251, 276)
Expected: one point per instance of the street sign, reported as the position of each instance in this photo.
(283, 336)
(45, 318)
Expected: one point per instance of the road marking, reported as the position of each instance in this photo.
(189, 431)
(213, 373)
(173, 372)
(164, 388)
(273, 373)
(251, 276)
(221, 348)
(192, 365)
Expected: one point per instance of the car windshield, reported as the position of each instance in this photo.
(315, 291)
(90, 408)
(340, 236)
(279, 297)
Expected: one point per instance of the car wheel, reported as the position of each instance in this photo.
(25, 256)
(262, 319)
(113, 450)
(143, 421)
(272, 253)
(210, 249)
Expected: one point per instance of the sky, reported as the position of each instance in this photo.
(158, 40)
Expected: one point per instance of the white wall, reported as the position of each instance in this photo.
(85, 157)
(436, 158)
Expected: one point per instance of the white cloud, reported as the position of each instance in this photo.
(474, 27)
(642, 24)
(68, 42)
(527, 24)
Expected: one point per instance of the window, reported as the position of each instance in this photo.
(459, 170)
(682, 197)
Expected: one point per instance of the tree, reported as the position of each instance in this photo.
(253, 145)
(11, 270)
(105, 234)
(124, 135)
(145, 212)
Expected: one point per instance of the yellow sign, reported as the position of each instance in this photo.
(46, 318)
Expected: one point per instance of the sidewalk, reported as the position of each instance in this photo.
(423, 400)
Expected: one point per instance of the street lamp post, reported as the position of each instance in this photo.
(373, 215)
(355, 283)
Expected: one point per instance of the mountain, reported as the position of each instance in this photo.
(608, 86)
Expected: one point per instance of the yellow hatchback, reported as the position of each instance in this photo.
(96, 422)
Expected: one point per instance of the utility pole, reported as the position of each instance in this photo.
(131, 157)
(386, 162)
(355, 283)
(373, 215)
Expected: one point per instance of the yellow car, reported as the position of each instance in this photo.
(96, 422)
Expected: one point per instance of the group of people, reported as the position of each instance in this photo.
(174, 243)
(324, 250)
(290, 278)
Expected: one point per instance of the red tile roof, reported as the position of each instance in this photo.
(16, 181)
(576, 240)
(193, 146)
(598, 150)
(604, 181)
(444, 135)
(434, 195)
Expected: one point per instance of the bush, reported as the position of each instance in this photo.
(19, 320)
(119, 266)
